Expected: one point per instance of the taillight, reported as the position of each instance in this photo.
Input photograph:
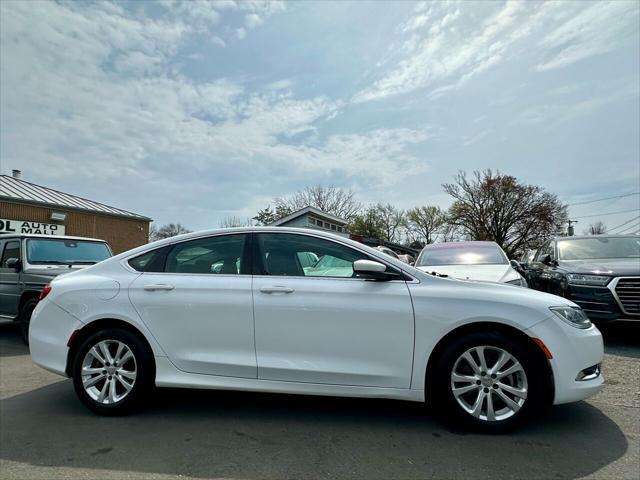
(45, 291)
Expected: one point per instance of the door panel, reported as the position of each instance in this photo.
(203, 321)
(335, 331)
(331, 330)
(9, 279)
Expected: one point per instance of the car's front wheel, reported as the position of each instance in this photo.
(490, 381)
(112, 371)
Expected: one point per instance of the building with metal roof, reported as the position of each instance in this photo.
(30, 208)
(314, 218)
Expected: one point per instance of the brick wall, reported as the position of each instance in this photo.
(121, 233)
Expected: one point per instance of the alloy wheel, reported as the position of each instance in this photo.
(109, 371)
(489, 383)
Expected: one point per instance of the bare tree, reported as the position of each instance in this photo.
(493, 206)
(425, 223)
(233, 221)
(166, 231)
(336, 201)
(391, 219)
(597, 228)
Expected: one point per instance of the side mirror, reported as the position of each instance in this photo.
(13, 263)
(515, 264)
(547, 259)
(373, 270)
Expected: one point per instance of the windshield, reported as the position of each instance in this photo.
(588, 248)
(464, 254)
(65, 252)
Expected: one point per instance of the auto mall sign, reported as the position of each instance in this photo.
(25, 227)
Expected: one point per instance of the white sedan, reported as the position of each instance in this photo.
(235, 309)
(482, 261)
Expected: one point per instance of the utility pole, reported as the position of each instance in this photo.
(570, 228)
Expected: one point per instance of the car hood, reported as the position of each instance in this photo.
(608, 266)
(484, 273)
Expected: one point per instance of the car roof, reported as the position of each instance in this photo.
(268, 229)
(444, 245)
(55, 237)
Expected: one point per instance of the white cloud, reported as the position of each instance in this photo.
(253, 20)
(284, 84)
(445, 46)
(116, 108)
(448, 49)
(592, 31)
(241, 33)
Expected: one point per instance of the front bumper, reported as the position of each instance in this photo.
(599, 303)
(574, 350)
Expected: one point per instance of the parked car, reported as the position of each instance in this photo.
(387, 251)
(406, 258)
(486, 354)
(29, 262)
(527, 257)
(600, 273)
(484, 261)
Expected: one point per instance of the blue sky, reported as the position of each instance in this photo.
(192, 112)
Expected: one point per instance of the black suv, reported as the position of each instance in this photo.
(600, 273)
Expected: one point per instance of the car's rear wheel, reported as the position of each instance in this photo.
(25, 318)
(112, 371)
(490, 381)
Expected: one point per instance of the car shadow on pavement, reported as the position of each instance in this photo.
(251, 435)
(11, 344)
(621, 338)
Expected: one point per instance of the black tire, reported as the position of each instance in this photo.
(25, 318)
(537, 383)
(144, 366)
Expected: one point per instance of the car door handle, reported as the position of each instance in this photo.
(276, 289)
(158, 286)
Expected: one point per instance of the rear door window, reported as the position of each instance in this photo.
(218, 255)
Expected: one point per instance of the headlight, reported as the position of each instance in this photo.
(578, 279)
(520, 282)
(573, 316)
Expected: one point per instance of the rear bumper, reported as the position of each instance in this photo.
(573, 350)
(49, 332)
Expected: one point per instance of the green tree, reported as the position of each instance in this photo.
(266, 216)
(367, 224)
(425, 223)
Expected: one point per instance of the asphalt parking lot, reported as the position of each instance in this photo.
(46, 433)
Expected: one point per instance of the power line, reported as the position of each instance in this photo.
(629, 229)
(603, 199)
(609, 213)
(623, 224)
